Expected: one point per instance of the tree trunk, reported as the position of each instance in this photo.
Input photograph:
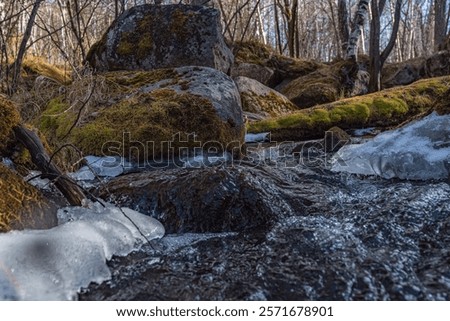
(277, 28)
(440, 23)
(377, 60)
(343, 25)
(357, 27)
(291, 15)
(374, 51)
(40, 158)
(397, 16)
(23, 47)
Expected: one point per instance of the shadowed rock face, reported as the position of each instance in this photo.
(22, 206)
(148, 37)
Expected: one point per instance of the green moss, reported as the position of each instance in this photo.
(56, 119)
(319, 87)
(136, 79)
(269, 104)
(9, 117)
(386, 108)
(146, 118)
(320, 116)
(252, 52)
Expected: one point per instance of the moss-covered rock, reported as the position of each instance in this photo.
(148, 37)
(9, 117)
(22, 206)
(407, 72)
(386, 108)
(327, 84)
(147, 110)
(261, 100)
(251, 53)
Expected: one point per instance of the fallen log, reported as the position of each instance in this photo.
(71, 191)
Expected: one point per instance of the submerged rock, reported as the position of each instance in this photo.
(22, 206)
(148, 37)
(216, 199)
(261, 100)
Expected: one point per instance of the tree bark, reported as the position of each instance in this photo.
(357, 27)
(374, 51)
(440, 23)
(23, 47)
(71, 191)
(343, 20)
(377, 60)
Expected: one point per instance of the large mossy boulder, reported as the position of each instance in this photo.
(260, 62)
(22, 206)
(150, 114)
(261, 100)
(386, 108)
(9, 118)
(327, 84)
(150, 37)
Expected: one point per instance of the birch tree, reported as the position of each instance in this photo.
(359, 20)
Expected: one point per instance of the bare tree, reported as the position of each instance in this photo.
(377, 60)
(17, 65)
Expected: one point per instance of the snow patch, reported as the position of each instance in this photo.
(417, 151)
(54, 264)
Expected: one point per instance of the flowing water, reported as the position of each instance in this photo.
(290, 232)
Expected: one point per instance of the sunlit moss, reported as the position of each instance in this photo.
(386, 108)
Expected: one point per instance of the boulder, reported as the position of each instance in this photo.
(261, 100)
(209, 199)
(405, 73)
(329, 83)
(252, 56)
(438, 64)
(22, 206)
(149, 114)
(257, 72)
(148, 37)
(319, 87)
(335, 138)
(9, 118)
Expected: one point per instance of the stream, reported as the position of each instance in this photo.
(277, 227)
